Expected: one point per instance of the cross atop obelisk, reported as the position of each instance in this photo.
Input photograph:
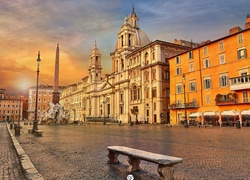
(55, 97)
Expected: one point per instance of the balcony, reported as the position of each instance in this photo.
(190, 105)
(230, 99)
(240, 83)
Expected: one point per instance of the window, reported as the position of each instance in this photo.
(245, 96)
(207, 99)
(154, 106)
(167, 75)
(153, 74)
(190, 55)
(121, 97)
(242, 53)
(167, 92)
(191, 67)
(129, 39)
(205, 50)
(223, 80)
(179, 89)
(146, 93)
(222, 58)
(177, 59)
(146, 74)
(122, 40)
(135, 93)
(207, 83)
(146, 58)
(121, 109)
(122, 64)
(206, 63)
(240, 38)
(192, 86)
(178, 71)
(154, 92)
(153, 55)
(116, 65)
(221, 45)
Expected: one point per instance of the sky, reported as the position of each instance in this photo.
(29, 26)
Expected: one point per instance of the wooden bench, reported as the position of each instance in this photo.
(165, 163)
(38, 132)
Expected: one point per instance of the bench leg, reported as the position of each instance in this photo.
(113, 158)
(134, 164)
(166, 172)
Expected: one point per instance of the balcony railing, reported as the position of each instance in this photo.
(190, 105)
(240, 83)
(226, 102)
(230, 99)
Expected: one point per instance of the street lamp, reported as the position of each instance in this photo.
(17, 126)
(185, 108)
(104, 102)
(35, 127)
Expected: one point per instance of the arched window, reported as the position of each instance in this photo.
(135, 93)
(122, 64)
(146, 58)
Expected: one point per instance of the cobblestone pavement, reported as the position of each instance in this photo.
(10, 168)
(80, 152)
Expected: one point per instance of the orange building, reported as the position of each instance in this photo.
(11, 107)
(211, 83)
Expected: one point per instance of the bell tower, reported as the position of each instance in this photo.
(95, 68)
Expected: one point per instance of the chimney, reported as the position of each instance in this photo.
(247, 25)
(234, 30)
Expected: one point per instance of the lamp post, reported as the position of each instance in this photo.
(185, 108)
(35, 127)
(104, 102)
(12, 120)
(17, 126)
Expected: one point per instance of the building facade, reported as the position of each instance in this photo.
(211, 82)
(44, 98)
(11, 107)
(136, 90)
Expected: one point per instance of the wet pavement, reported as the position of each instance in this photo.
(80, 151)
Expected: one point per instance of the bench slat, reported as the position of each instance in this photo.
(145, 155)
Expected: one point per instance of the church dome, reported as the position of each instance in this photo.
(141, 39)
(130, 34)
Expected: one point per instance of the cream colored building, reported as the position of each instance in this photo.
(137, 89)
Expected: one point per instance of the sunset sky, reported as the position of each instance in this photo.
(29, 26)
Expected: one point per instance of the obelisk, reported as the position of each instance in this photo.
(55, 97)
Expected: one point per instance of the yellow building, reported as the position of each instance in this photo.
(211, 83)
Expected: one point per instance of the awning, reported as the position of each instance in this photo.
(196, 114)
(230, 113)
(209, 113)
(245, 112)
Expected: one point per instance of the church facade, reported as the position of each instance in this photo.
(138, 87)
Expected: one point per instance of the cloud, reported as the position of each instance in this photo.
(29, 26)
